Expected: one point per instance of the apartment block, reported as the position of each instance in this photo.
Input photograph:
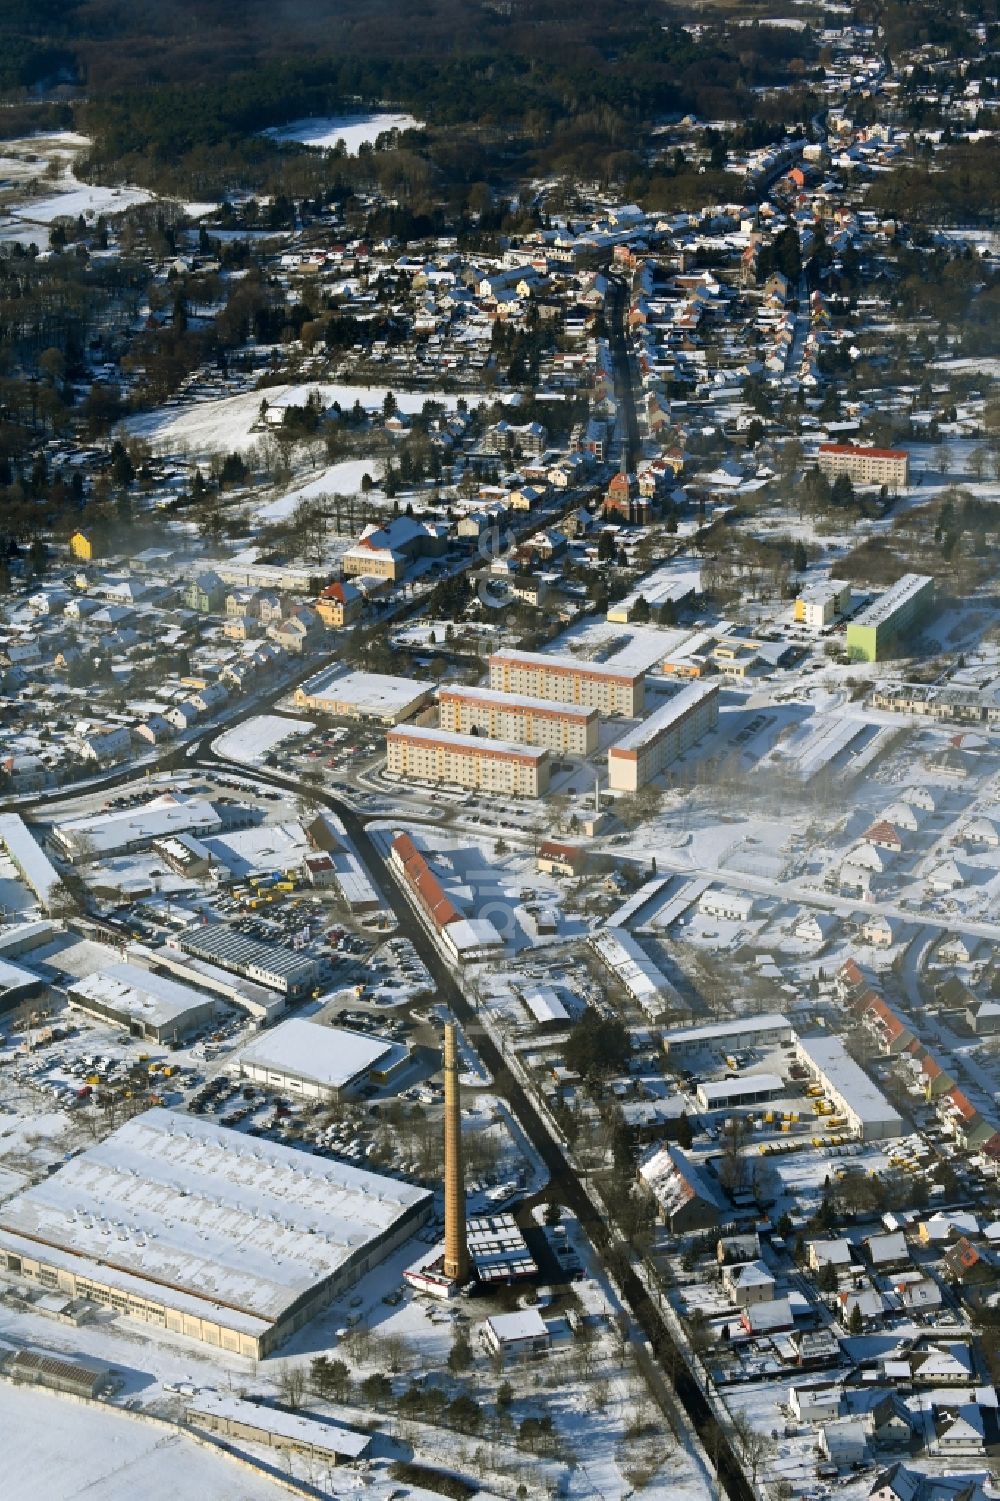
(595, 685)
(425, 755)
(876, 631)
(819, 605)
(866, 466)
(567, 729)
(657, 741)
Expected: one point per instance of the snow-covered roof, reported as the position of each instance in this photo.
(329, 1056)
(26, 854)
(298, 1430)
(190, 1213)
(527, 1323)
(140, 995)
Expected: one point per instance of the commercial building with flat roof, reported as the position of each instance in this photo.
(28, 858)
(199, 1230)
(17, 984)
(596, 685)
(657, 741)
(873, 635)
(770, 1029)
(317, 1062)
(428, 755)
(149, 1005)
(868, 1112)
(866, 466)
(279, 968)
(363, 695)
(567, 729)
(748, 1089)
(118, 832)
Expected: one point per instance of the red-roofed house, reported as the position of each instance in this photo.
(884, 836)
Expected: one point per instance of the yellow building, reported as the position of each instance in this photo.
(339, 605)
(595, 685)
(81, 547)
(427, 755)
(568, 729)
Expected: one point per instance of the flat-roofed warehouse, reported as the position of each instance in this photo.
(748, 1089)
(568, 729)
(194, 1228)
(275, 966)
(868, 1112)
(657, 741)
(149, 1005)
(467, 761)
(767, 1030)
(317, 1062)
(596, 685)
(363, 695)
(115, 833)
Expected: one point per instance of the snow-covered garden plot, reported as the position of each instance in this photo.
(252, 741)
(355, 130)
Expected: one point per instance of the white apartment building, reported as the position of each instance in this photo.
(567, 729)
(425, 755)
(596, 685)
(645, 751)
(819, 604)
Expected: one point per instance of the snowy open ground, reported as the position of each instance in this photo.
(335, 479)
(103, 1453)
(36, 201)
(232, 422)
(325, 131)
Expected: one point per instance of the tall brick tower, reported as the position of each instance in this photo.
(456, 1251)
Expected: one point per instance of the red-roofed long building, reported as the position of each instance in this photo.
(866, 466)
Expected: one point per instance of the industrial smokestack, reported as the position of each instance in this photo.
(456, 1251)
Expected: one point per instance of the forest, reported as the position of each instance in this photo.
(174, 92)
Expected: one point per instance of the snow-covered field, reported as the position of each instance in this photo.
(232, 422)
(72, 198)
(336, 479)
(104, 1453)
(354, 130)
(252, 741)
